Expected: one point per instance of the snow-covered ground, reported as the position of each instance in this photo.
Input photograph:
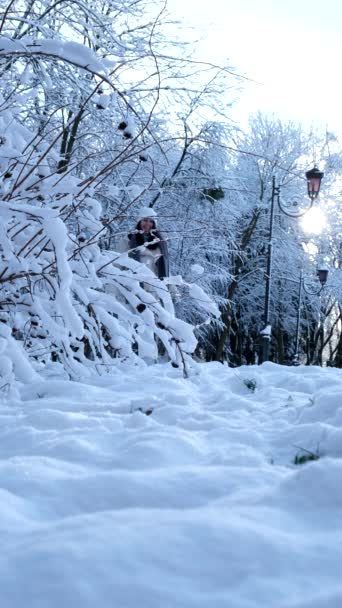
(195, 503)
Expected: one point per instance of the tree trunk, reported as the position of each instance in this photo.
(68, 141)
(226, 314)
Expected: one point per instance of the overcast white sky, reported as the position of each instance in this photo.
(293, 49)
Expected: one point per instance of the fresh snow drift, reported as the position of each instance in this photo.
(145, 489)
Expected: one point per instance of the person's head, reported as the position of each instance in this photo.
(146, 218)
(146, 224)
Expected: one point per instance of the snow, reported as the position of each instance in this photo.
(267, 331)
(197, 269)
(68, 50)
(196, 292)
(141, 488)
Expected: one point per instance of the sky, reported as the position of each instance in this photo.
(292, 50)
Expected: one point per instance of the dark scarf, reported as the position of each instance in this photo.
(142, 238)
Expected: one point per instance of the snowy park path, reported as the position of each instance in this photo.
(142, 489)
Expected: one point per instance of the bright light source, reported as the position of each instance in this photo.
(310, 248)
(314, 222)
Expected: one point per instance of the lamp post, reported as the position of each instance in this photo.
(322, 274)
(314, 178)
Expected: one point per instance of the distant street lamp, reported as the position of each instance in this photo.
(322, 274)
(314, 178)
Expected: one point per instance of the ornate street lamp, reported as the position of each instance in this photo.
(314, 178)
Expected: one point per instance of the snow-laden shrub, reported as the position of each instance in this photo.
(81, 139)
(63, 298)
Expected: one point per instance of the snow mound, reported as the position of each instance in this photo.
(142, 488)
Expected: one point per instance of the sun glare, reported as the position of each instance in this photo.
(314, 221)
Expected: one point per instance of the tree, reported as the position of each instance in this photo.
(63, 297)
